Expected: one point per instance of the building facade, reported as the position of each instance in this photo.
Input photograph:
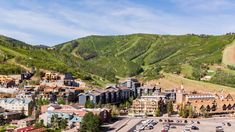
(144, 106)
(20, 105)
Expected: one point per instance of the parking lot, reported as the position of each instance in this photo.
(178, 124)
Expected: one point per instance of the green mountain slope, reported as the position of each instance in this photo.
(16, 55)
(106, 58)
(143, 53)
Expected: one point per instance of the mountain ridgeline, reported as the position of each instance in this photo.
(107, 58)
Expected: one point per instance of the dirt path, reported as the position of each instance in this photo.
(13, 61)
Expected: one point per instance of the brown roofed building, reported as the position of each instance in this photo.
(7, 82)
(216, 106)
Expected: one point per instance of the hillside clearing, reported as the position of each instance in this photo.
(229, 54)
(174, 81)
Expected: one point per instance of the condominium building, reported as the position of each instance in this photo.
(194, 97)
(14, 104)
(183, 97)
(144, 106)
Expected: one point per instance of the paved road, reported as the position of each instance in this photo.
(130, 124)
(116, 125)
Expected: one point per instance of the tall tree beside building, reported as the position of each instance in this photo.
(90, 123)
(89, 104)
(204, 112)
(115, 111)
(162, 106)
(190, 112)
(158, 112)
(181, 110)
(185, 111)
(55, 122)
(58, 123)
(39, 124)
(170, 107)
(60, 100)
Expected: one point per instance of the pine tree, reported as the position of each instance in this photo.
(90, 123)
(170, 107)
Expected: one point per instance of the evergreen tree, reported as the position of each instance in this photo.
(60, 100)
(191, 112)
(63, 123)
(181, 110)
(89, 104)
(90, 123)
(185, 112)
(170, 107)
(114, 111)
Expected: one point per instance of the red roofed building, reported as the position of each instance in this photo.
(24, 129)
(30, 129)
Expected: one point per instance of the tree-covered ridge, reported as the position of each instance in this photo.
(106, 58)
(129, 55)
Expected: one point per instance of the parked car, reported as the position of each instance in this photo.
(160, 120)
(163, 130)
(186, 130)
(219, 129)
(198, 122)
(149, 127)
(172, 126)
(166, 126)
(194, 128)
(228, 124)
(154, 122)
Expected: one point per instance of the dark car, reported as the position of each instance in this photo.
(228, 124)
(160, 120)
(194, 128)
(198, 122)
(219, 129)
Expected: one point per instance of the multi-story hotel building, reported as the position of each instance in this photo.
(145, 106)
(14, 104)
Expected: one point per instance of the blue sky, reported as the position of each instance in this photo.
(52, 22)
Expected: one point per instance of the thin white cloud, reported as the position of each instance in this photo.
(17, 34)
(205, 5)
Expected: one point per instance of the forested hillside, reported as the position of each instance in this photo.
(15, 55)
(107, 58)
(146, 55)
